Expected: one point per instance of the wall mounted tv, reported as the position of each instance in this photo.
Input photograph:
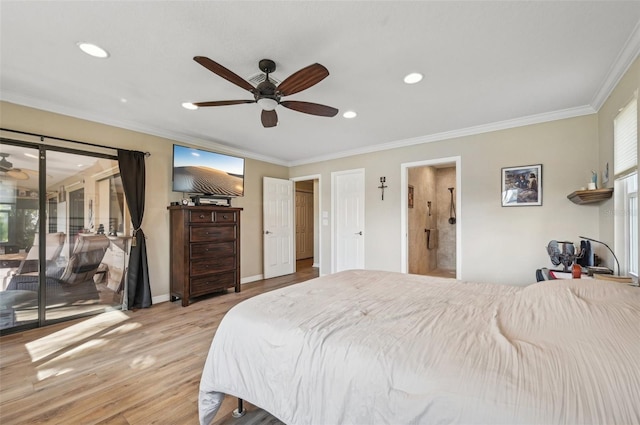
(208, 173)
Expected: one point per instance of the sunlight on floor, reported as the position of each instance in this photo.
(142, 362)
(49, 368)
(61, 341)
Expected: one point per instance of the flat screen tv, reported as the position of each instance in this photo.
(198, 171)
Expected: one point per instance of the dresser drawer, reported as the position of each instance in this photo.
(212, 265)
(201, 216)
(205, 250)
(204, 285)
(210, 233)
(225, 217)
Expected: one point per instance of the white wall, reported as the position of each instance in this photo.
(158, 180)
(503, 245)
(499, 244)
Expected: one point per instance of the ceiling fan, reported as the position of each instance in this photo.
(267, 94)
(7, 168)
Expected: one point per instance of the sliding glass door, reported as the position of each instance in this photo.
(63, 236)
(19, 209)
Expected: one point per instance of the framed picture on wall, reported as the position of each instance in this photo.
(410, 197)
(522, 186)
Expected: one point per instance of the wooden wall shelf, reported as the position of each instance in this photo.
(581, 197)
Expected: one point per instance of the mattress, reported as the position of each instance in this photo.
(373, 347)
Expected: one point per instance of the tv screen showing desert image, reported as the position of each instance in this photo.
(209, 173)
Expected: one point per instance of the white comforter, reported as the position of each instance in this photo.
(363, 347)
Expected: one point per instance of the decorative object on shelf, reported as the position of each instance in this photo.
(605, 174)
(607, 246)
(100, 230)
(411, 197)
(589, 196)
(522, 186)
(382, 185)
(452, 209)
(594, 181)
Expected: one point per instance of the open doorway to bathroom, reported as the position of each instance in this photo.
(431, 224)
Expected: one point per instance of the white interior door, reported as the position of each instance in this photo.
(348, 219)
(278, 232)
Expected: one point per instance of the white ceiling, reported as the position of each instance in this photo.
(487, 65)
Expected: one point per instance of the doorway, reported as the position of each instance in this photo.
(307, 222)
(55, 266)
(431, 219)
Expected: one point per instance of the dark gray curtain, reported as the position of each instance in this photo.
(132, 172)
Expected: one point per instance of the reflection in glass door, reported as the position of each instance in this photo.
(19, 251)
(83, 266)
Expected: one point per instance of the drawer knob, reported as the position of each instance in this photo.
(201, 215)
(224, 216)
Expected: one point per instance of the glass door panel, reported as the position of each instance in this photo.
(84, 240)
(19, 247)
(89, 272)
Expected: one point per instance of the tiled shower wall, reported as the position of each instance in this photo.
(431, 184)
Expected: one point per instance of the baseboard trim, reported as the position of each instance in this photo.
(165, 297)
(250, 279)
(160, 299)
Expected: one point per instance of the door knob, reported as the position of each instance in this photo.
(359, 233)
(267, 232)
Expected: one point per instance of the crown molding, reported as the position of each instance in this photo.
(469, 131)
(625, 58)
(127, 125)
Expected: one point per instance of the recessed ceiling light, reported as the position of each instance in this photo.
(93, 50)
(123, 100)
(350, 114)
(413, 78)
(189, 105)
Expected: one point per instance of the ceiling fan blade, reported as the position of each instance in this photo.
(223, 102)
(269, 118)
(223, 72)
(310, 108)
(303, 79)
(18, 174)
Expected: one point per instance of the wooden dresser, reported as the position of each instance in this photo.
(205, 250)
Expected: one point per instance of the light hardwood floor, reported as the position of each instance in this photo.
(120, 368)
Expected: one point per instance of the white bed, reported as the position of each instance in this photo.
(365, 347)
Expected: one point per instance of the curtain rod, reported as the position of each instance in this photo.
(42, 137)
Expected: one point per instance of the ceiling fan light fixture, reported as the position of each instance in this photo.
(93, 50)
(190, 106)
(413, 78)
(267, 103)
